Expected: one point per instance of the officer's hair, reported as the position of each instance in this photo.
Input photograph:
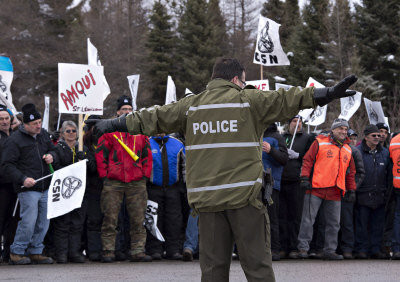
(227, 68)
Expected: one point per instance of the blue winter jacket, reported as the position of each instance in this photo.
(277, 157)
(175, 155)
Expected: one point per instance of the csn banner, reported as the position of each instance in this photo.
(349, 105)
(374, 111)
(171, 91)
(269, 51)
(80, 89)
(319, 115)
(133, 81)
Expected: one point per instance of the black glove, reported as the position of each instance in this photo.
(323, 96)
(350, 196)
(305, 183)
(102, 126)
(80, 155)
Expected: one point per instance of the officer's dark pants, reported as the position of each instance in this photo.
(8, 223)
(346, 227)
(370, 224)
(169, 220)
(273, 212)
(249, 228)
(291, 198)
(68, 231)
(94, 220)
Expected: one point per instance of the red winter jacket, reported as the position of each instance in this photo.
(115, 163)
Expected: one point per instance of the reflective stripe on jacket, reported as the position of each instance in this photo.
(394, 150)
(331, 164)
(223, 127)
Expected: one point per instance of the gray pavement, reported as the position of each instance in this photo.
(288, 270)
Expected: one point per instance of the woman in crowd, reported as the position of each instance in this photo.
(68, 227)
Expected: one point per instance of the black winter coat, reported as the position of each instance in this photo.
(372, 191)
(22, 157)
(359, 163)
(301, 144)
(5, 182)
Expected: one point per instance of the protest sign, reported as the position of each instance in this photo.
(150, 221)
(284, 86)
(133, 81)
(94, 60)
(269, 51)
(319, 115)
(67, 189)
(374, 111)
(259, 84)
(6, 77)
(171, 91)
(349, 105)
(45, 120)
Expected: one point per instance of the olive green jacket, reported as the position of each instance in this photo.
(223, 127)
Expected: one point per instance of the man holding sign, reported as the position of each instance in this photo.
(223, 126)
(26, 156)
(125, 161)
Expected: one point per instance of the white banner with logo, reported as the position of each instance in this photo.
(319, 115)
(188, 91)
(269, 51)
(66, 189)
(349, 105)
(259, 84)
(171, 91)
(284, 86)
(374, 111)
(6, 77)
(80, 89)
(133, 81)
(93, 59)
(150, 221)
(45, 120)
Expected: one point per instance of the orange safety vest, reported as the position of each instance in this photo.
(331, 164)
(394, 150)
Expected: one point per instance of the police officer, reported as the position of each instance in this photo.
(223, 126)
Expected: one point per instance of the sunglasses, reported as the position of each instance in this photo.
(70, 131)
(375, 135)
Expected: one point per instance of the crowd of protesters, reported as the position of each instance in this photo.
(333, 196)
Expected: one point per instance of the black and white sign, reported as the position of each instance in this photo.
(374, 111)
(349, 105)
(133, 81)
(150, 220)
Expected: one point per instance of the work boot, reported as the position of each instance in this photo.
(332, 256)
(302, 254)
(108, 256)
(347, 255)
(282, 254)
(293, 255)
(276, 256)
(77, 258)
(316, 255)
(19, 259)
(156, 256)
(95, 257)
(41, 259)
(140, 257)
(187, 255)
(174, 256)
(361, 255)
(396, 256)
(120, 256)
(61, 258)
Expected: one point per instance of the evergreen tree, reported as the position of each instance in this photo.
(291, 19)
(378, 37)
(161, 45)
(273, 9)
(219, 36)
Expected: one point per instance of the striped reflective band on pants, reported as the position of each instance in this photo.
(222, 145)
(224, 186)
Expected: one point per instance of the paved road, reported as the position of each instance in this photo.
(372, 270)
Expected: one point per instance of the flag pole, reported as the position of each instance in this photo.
(261, 72)
(58, 122)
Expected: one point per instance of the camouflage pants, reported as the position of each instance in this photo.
(136, 202)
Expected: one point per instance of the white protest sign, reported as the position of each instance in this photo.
(171, 91)
(374, 111)
(133, 81)
(45, 120)
(283, 86)
(269, 51)
(349, 105)
(387, 122)
(80, 89)
(150, 221)
(94, 60)
(66, 189)
(259, 84)
(6, 77)
(188, 91)
(319, 115)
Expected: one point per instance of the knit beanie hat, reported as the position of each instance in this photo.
(371, 128)
(123, 100)
(297, 116)
(29, 113)
(381, 125)
(339, 122)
